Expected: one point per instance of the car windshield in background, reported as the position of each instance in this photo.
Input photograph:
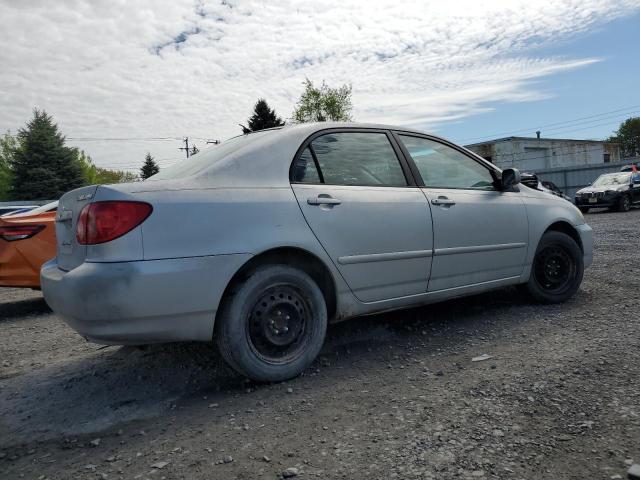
(49, 207)
(612, 179)
(196, 164)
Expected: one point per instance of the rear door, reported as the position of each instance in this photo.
(480, 233)
(358, 198)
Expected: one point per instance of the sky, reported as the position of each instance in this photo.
(122, 78)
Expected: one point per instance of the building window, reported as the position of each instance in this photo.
(607, 157)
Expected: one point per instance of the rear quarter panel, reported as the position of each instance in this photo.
(218, 221)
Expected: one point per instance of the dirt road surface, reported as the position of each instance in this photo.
(391, 396)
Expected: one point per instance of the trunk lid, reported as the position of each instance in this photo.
(70, 253)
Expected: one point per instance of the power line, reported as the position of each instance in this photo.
(128, 139)
(538, 127)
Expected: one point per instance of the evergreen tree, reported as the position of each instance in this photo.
(43, 167)
(149, 168)
(323, 104)
(8, 146)
(263, 117)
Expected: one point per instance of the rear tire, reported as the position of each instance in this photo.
(557, 270)
(624, 203)
(272, 325)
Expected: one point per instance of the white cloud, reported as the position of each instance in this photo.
(173, 68)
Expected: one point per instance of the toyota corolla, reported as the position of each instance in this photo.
(259, 242)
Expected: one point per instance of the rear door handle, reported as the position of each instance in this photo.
(442, 201)
(323, 200)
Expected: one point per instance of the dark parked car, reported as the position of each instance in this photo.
(618, 191)
(531, 180)
(629, 168)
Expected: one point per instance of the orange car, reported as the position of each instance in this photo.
(27, 240)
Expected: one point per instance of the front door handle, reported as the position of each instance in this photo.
(323, 200)
(443, 201)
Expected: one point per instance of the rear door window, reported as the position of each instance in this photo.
(304, 169)
(351, 158)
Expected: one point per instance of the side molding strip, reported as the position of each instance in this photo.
(383, 257)
(479, 248)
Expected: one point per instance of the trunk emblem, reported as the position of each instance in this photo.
(85, 196)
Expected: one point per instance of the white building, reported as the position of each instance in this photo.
(533, 154)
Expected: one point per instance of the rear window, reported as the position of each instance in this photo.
(199, 162)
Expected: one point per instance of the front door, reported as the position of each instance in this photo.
(354, 194)
(480, 233)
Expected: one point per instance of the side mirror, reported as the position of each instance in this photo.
(510, 178)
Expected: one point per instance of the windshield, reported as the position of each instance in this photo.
(613, 179)
(199, 162)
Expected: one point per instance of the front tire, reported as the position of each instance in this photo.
(272, 325)
(557, 270)
(624, 203)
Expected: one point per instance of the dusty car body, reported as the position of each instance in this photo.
(260, 241)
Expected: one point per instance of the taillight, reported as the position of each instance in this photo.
(101, 222)
(21, 232)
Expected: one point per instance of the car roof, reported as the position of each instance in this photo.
(263, 161)
(266, 161)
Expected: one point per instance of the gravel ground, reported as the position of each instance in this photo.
(391, 396)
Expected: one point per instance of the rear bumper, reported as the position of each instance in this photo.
(141, 302)
(586, 238)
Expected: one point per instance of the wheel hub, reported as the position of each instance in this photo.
(277, 323)
(554, 268)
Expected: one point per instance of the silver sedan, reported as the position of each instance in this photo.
(261, 241)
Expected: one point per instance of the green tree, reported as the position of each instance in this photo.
(8, 146)
(628, 136)
(322, 104)
(149, 168)
(43, 167)
(94, 175)
(263, 117)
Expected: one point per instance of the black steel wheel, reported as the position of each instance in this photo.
(554, 268)
(278, 324)
(557, 270)
(624, 203)
(272, 324)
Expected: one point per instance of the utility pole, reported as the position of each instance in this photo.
(186, 146)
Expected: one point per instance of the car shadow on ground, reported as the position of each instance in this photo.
(114, 385)
(23, 308)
